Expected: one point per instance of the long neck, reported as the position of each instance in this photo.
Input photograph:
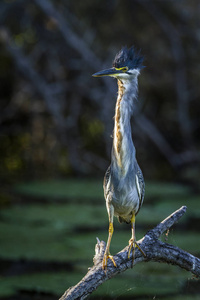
(123, 147)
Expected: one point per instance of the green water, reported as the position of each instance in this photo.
(57, 222)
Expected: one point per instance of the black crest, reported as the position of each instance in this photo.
(128, 58)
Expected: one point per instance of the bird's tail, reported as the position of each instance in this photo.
(121, 220)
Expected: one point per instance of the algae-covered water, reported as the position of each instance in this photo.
(48, 234)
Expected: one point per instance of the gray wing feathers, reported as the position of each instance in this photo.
(105, 182)
(140, 185)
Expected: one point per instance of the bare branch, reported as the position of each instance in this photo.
(155, 251)
(169, 221)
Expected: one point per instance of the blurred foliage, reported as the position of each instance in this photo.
(47, 246)
(58, 189)
(56, 119)
(89, 188)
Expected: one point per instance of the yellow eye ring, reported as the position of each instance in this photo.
(123, 69)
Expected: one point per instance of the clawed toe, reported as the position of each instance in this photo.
(105, 260)
(132, 245)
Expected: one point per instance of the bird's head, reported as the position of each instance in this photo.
(126, 65)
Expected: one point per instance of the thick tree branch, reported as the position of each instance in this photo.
(155, 251)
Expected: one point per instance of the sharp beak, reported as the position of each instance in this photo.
(107, 72)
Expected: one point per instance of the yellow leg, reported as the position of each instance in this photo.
(132, 241)
(107, 251)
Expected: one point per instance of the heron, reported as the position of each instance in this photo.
(124, 186)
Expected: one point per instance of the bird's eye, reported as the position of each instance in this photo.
(123, 69)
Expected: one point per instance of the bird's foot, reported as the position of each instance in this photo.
(105, 260)
(132, 245)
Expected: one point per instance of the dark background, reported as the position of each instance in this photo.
(56, 120)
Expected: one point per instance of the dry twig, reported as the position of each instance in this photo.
(155, 251)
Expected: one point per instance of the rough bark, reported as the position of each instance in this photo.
(155, 250)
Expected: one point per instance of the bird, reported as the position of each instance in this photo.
(124, 185)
